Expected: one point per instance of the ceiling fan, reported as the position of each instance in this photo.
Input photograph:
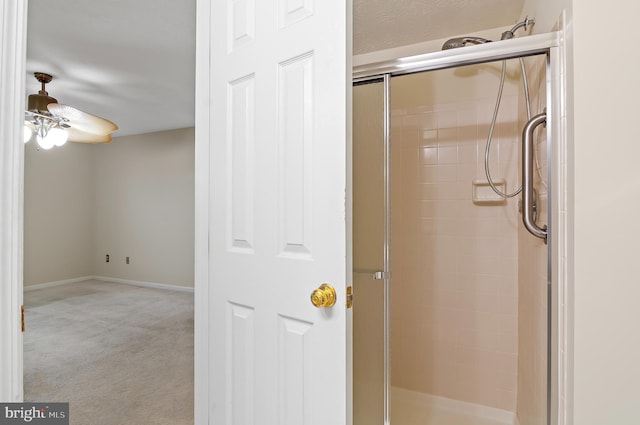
(54, 124)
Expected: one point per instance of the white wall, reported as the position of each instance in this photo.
(58, 213)
(132, 197)
(606, 201)
(144, 207)
(603, 113)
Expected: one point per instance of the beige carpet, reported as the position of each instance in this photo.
(118, 354)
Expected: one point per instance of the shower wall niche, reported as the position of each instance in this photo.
(468, 288)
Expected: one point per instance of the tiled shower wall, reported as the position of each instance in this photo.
(532, 326)
(455, 263)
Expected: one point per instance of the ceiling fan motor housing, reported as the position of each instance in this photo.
(38, 102)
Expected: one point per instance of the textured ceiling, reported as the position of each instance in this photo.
(129, 61)
(133, 61)
(382, 24)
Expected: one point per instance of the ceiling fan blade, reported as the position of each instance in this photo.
(82, 121)
(77, 135)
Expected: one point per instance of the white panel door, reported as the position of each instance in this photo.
(279, 96)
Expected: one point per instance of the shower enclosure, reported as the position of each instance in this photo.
(452, 318)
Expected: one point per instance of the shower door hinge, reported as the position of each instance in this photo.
(349, 297)
(22, 316)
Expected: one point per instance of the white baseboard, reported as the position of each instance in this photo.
(109, 279)
(56, 283)
(144, 284)
(476, 410)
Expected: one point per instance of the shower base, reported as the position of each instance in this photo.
(414, 408)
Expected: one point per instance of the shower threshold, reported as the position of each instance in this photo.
(415, 408)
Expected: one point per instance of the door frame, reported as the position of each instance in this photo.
(202, 203)
(13, 49)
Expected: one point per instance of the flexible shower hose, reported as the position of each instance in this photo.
(487, 150)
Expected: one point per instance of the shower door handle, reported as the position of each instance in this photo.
(527, 177)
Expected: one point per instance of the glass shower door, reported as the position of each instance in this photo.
(467, 332)
(469, 303)
(369, 352)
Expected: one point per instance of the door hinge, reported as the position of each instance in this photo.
(349, 296)
(22, 316)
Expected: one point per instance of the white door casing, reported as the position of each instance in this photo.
(277, 127)
(13, 37)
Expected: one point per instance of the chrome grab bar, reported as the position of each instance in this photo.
(527, 177)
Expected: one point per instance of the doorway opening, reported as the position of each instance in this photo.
(109, 229)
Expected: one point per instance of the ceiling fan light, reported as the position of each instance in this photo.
(59, 136)
(54, 123)
(45, 142)
(27, 133)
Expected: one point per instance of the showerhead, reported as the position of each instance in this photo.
(463, 41)
(524, 24)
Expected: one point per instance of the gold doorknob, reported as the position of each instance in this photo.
(324, 296)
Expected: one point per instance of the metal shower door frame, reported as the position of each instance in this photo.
(548, 44)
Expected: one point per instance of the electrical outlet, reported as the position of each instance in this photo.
(107, 258)
(126, 260)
